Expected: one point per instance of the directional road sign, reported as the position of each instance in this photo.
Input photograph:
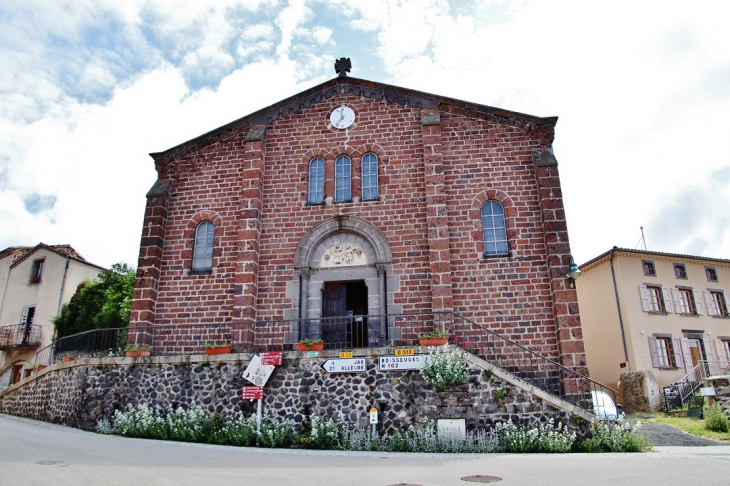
(352, 365)
(398, 363)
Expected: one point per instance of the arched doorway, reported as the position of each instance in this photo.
(343, 264)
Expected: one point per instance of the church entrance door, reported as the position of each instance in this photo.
(344, 312)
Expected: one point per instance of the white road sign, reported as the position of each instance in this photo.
(257, 373)
(353, 365)
(398, 363)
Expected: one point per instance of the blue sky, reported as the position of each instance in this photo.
(642, 89)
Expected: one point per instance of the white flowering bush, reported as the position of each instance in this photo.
(330, 433)
(141, 421)
(448, 367)
(544, 437)
(191, 425)
(614, 436)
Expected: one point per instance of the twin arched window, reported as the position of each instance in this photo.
(494, 229)
(343, 179)
(203, 249)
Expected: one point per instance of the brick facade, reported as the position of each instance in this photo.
(439, 160)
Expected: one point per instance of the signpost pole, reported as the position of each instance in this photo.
(258, 421)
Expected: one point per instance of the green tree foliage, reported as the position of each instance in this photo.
(100, 304)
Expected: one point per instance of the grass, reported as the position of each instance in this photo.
(692, 426)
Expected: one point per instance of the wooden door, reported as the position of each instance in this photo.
(695, 351)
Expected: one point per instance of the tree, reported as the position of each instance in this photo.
(100, 304)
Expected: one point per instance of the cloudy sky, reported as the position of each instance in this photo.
(89, 87)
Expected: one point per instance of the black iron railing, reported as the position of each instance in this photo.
(399, 330)
(20, 336)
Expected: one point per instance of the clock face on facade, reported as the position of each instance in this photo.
(342, 117)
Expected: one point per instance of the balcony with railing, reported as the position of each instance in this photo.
(20, 336)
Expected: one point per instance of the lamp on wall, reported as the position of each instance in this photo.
(573, 273)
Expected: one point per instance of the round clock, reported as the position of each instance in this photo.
(342, 117)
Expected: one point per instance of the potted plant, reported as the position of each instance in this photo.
(66, 357)
(39, 367)
(310, 345)
(435, 338)
(141, 351)
(217, 348)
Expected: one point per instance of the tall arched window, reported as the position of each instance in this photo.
(316, 181)
(203, 250)
(493, 228)
(342, 178)
(369, 177)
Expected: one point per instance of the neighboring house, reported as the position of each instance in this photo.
(356, 198)
(644, 310)
(34, 283)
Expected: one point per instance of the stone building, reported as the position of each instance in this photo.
(361, 203)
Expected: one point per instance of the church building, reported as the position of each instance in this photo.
(349, 212)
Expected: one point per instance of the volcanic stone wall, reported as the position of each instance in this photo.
(80, 393)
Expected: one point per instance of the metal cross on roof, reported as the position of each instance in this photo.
(343, 66)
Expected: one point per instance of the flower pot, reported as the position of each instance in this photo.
(40, 368)
(218, 350)
(66, 359)
(311, 347)
(433, 341)
(133, 354)
(143, 353)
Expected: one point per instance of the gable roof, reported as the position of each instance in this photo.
(367, 89)
(22, 253)
(657, 255)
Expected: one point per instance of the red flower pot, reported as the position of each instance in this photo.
(133, 354)
(433, 341)
(311, 347)
(218, 350)
(143, 353)
(66, 359)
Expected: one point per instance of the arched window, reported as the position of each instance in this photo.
(316, 181)
(493, 228)
(369, 177)
(203, 251)
(342, 178)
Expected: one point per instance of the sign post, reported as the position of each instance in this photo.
(374, 420)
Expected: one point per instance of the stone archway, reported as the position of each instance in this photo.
(342, 249)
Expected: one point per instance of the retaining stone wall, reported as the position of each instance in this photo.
(79, 393)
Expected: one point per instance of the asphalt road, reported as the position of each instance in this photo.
(37, 453)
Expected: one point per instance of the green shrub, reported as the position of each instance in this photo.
(545, 437)
(610, 436)
(448, 368)
(715, 418)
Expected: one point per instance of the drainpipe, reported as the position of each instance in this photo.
(618, 307)
(60, 296)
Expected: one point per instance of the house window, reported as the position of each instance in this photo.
(316, 181)
(724, 350)
(37, 271)
(716, 303)
(680, 271)
(342, 178)
(654, 299)
(685, 302)
(494, 229)
(203, 251)
(663, 352)
(370, 177)
(649, 268)
(711, 274)
(27, 316)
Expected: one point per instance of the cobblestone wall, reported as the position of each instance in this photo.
(79, 393)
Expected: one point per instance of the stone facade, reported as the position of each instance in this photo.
(81, 392)
(640, 391)
(439, 161)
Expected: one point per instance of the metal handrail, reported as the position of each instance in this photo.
(374, 331)
(545, 373)
(697, 376)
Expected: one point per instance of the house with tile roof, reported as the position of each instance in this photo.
(35, 282)
(663, 312)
